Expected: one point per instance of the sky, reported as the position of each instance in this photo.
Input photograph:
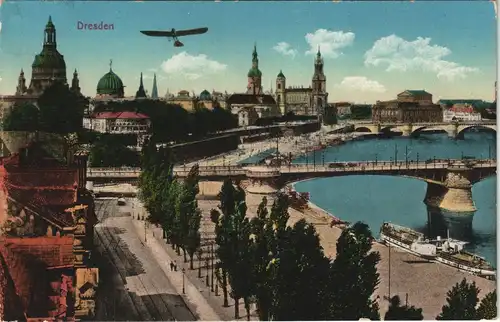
(372, 50)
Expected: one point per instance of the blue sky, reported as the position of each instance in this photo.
(372, 50)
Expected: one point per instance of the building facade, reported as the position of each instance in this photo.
(460, 112)
(411, 106)
(301, 100)
(46, 237)
(118, 123)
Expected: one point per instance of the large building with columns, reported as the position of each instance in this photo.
(410, 106)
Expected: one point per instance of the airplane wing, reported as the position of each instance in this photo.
(157, 33)
(189, 32)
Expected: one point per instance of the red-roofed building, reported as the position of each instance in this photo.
(46, 235)
(461, 112)
(118, 122)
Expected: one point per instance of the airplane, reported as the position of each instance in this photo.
(173, 34)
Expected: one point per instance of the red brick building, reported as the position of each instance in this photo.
(46, 234)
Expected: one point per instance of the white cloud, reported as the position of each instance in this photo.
(330, 42)
(191, 67)
(362, 84)
(285, 49)
(399, 54)
(154, 70)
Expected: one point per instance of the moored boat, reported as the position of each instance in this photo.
(446, 251)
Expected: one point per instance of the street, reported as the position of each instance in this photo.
(134, 286)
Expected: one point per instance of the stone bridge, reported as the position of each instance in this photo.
(449, 181)
(454, 130)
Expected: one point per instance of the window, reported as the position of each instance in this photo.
(279, 86)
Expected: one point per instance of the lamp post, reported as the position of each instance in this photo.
(207, 282)
(183, 283)
(417, 160)
(212, 265)
(406, 155)
(395, 153)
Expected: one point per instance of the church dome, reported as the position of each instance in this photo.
(49, 58)
(280, 75)
(110, 84)
(254, 72)
(205, 96)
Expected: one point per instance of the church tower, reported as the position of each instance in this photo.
(154, 91)
(21, 84)
(254, 75)
(75, 83)
(49, 66)
(141, 93)
(319, 94)
(280, 92)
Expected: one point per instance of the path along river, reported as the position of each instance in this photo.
(375, 199)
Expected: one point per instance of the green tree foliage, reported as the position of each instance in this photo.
(222, 219)
(354, 275)
(461, 300)
(300, 272)
(488, 307)
(171, 122)
(361, 112)
(330, 116)
(61, 110)
(22, 117)
(402, 312)
(58, 110)
(192, 239)
(107, 152)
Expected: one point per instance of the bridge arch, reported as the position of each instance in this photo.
(419, 129)
(363, 129)
(489, 128)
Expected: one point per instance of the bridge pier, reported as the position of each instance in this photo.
(454, 195)
(453, 132)
(262, 180)
(407, 130)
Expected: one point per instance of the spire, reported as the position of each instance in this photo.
(140, 92)
(111, 65)
(154, 91)
(50, 34)
(319, 52)
(75, 83)
(255, 56)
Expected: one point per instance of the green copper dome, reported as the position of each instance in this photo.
(254, 72)
(205, 96)
(110, 84)
(49, 58)
(281, 74)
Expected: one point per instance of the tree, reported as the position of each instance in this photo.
(192, 239)
(263, 233)
(354, 276)
(461, 300)
(223, 228)
(488, 307)
(108, 153)
(22, 117)
(239, 267)
(398, 312)
(61, 110)
(300, 273)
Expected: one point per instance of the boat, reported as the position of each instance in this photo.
(447, 251)
(408, 240)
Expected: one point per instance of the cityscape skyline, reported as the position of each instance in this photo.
(366, 58)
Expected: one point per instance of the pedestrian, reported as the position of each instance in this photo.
(175, 266)
(171, 266)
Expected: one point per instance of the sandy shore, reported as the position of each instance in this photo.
(426, 283)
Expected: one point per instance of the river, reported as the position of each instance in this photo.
(375, 199)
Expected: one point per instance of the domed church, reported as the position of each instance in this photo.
(110, 86)
(48, 67)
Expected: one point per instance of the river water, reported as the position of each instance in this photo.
(375, 199)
